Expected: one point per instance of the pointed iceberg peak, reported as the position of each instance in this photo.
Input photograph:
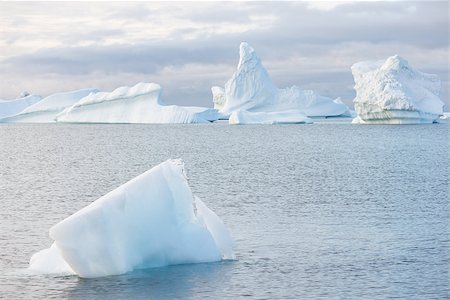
(246, 54)
(251, 90)
(395, 62)
(250, 87)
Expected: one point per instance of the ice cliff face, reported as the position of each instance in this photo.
(153, 220)
(12, 107)
(281, 117)
(138, 104)
(392, 92)
(45, 110)
(251, 89)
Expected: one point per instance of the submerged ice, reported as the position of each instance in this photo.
(153, 220)
(251, 89)
(392, 92)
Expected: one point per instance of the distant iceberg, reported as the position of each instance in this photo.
(251, 89)
(392, 92)
(138, 104)
(12, 107)
(153, 220)
(45, 110)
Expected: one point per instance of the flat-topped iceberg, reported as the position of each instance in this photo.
(151, 221)
(251, 89)
(392, 92)
(46, 110)
(281, 117)
(12, 107)
(138, 104)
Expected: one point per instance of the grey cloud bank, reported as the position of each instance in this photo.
(187, 47)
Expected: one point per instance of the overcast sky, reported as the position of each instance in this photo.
(187, 47)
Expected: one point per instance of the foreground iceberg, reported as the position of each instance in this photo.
(251, 89)
(138, 104)
(153, 220)
(12, 107)
(282, 117)
(45, 110)
(392, 92)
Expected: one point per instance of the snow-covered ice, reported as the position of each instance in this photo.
(282, 117)
(46, 109)
(251, 89)
(151, 221)
(12, 107)
(138, 104)
(392, 92)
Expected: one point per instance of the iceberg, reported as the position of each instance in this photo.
(392, 92)
(251, 90)
(12, 107)
(282, 117)
(138, 104)
(46, 110)
(153, 220)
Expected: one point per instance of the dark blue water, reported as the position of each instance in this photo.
(329, 210)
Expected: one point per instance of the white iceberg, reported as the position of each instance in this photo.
(251, 89)
(151, 221)
(392, 92)
(45, 111)
(281, 117)
(138, 104)
(12, 107)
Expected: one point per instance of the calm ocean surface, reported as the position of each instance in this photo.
(330, 210)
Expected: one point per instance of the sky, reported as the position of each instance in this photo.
(187, 47)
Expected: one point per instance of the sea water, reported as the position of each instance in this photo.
(328, 210)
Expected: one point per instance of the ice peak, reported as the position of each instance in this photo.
(395, 62)
(246, 53)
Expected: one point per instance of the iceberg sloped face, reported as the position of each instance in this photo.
(12, 107)
(251, 89)
(281, 117)
(45, 110)
(153, 220)
(392, 92)
(138, 104)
